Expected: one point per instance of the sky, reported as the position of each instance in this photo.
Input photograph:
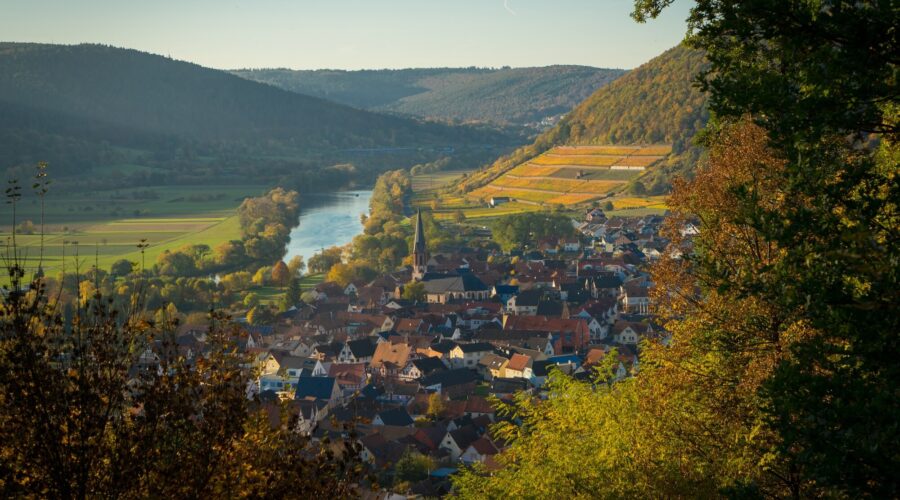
(355, 34)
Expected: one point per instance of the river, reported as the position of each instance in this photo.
(327, 219)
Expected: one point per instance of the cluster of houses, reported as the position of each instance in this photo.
(414, 377)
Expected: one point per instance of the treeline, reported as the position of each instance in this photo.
(383, 244)
(266, 223)
(516, 231)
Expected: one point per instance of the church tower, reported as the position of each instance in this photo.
(420, 252)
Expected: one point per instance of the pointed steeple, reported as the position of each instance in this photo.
(419, 242)
(420, 250)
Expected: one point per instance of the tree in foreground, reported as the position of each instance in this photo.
(101, 402)
(780, 377)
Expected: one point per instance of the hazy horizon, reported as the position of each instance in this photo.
(399, 34)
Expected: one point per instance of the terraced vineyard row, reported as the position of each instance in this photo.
(556, 184)
(573, 174)
(534, 196)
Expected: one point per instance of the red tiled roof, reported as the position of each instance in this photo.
(518, 362)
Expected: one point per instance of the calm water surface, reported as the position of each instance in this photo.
(326, 220)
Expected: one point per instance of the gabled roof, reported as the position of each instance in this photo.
(389, 352)
(477, 404)
(464, 436)
(484, 446)
(315, 387)
(476, 347)
(493, 361)
(444, 346)
(506, 289)
(550, 308)
(529, 298)
(465, 282)
(450, 378)
(348, 373)
(396, 417)
(431, 436)
(429, 365)
(518, 362)
(362, 348)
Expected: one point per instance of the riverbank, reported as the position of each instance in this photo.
(326, 220)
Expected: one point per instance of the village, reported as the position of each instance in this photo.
(417, 376)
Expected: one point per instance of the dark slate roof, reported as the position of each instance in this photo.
(317, 387)
(550, 308)
(443, 331)
(606, 281)
(464, 436)
(444, 346)
(429, 365)
(396, 416)
(450, 378)
(476, 347)
(506, 289)
(466, 282)
(529, 298)
(539, 368)
(362, 348)
(371, 391)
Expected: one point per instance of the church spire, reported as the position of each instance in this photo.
(419, 242)
(420, 250)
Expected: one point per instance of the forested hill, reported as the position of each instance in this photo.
(151, 93)
(80, 106)
(652, 104)
(505, 95)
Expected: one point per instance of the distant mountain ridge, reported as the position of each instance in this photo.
(504, 95)
(656, 103)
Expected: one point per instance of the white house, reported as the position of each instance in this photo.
(468, 355)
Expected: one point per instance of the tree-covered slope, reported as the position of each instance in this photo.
(84, 106)
(151, 93)
(656, 103)
(505, 95)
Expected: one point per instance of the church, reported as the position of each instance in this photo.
(441, 288)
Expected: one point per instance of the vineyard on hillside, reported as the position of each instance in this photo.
(573, 174)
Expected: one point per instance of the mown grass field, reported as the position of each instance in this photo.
(106, 226)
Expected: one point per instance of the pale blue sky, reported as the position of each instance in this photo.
(355, 34)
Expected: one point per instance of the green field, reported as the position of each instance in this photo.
(309, 281)
(106, 226)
